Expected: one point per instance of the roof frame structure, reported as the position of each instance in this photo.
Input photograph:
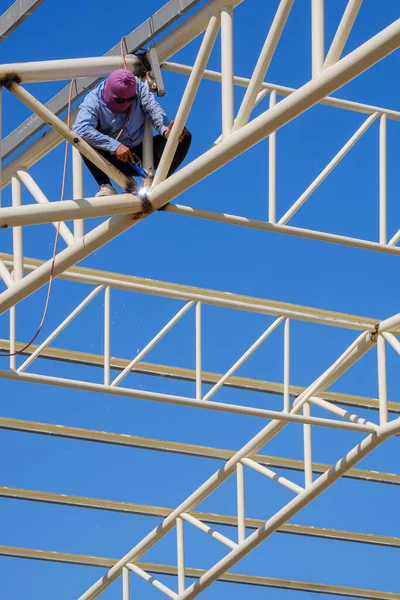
(15, 15)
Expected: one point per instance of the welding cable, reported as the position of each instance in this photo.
(46, 306)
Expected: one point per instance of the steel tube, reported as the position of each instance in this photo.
(241, 511)
(153, 342)
(346, 69)
(327, 170)
(284, 90)
(290, 485)
(5, 275)
(208, 530)
(199, 383)
(60, 328)
(187, 100)
(227, 86)
(77, 187)
(382, 383)
(244, 357)
(343, 32)
(154, 582)
(286, 366)
(317, 35)
(311, 234)
(390, 324)
(77, 142)
(126, 584)
(107, 334)
(292, 508)
(307, 440)
(263, 62)
(349, 357)
(69, 68)
(180, 550)
(309, 94)
(340, 412)
(382, 180)
(272, 168)
(51, 212)
(40, 198)
(18, 269)
(394, 342)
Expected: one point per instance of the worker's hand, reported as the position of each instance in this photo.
(123, 153)
(168, 131)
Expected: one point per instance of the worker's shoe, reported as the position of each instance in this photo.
(106, 190)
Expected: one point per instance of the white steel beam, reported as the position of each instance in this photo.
(131, 283)
(51, 212)
(327, 170)
(15, 15)
(187, 99)
(284, 90)
(343, 32)
(132, 441)
(211, 518)
(312, 92)
(227, 85)
(186, 401)
(263, 62)
(347, 359)
(317, 35)
(302, 586)
(69, 68)
(40, 198)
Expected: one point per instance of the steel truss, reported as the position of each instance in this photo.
(238, 133)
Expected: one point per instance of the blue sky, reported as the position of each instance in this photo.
(195, 252)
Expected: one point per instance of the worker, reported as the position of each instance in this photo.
(111, 119)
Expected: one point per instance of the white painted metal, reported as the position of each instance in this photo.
(290, 485)
(283, 90)
(187, 99)
(263, 62)
(126, 589)
(180, 547)
(327, 170)
(272, 168)
(382, 181)
(153, 342)
(60, 328)
(317, 35)
(241, 510)
(244, 357)
(185, 401)
(382, 383)
(33, 211)
(77, 187)
(5, 275)
(286, 366)
(50, 212)
(308, 468)
(199, 384)
(208, 530)
(343, 32)
(154, 582)
(107, 334)
(70, 68)
(227, 85)
(361, 345)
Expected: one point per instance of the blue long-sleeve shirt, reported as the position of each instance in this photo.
(99, 125)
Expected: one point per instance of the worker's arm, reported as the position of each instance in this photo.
(86, 126)
(153, 111)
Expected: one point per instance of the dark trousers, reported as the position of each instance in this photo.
(125, 167)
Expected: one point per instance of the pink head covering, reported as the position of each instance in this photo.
(120, 84)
